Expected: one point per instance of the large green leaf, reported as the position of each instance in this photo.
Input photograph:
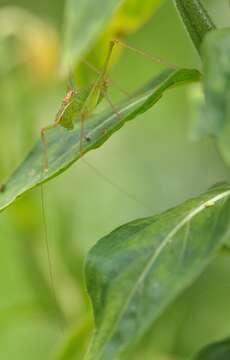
(216, 351)
(64, 145)
(216, 55)
(134, 272)
(84, 21)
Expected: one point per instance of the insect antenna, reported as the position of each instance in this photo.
(48, 254)
(109, 181)
(146, 54)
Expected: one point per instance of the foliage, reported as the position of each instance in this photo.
(133, 274)
(150, 261)
(31, 173)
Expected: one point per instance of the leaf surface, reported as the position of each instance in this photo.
(133, 273)
(64, 145)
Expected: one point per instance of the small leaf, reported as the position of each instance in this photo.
(133, 273)
(64, 145)
(84, 21)
(216, 351)
(216, 54)
(196, 20)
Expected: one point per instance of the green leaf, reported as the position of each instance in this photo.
(216, 351)
(84, 21)
(134, 13)
(133, 273)
(64, 145)
(196, 20)
(216, 54)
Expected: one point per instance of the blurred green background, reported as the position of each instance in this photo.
(152, 158)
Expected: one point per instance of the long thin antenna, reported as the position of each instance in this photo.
(46, 242)
(47, 247)
(146, 54)
(115, 185)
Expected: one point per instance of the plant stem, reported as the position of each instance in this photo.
(196, 20)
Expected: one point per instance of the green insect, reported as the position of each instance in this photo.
(78, 105)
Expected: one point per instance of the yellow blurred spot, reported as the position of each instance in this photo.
(38, 44)
(41, 50)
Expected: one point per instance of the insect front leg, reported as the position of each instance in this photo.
(45, 145)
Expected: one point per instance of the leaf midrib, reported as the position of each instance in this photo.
(163, 244)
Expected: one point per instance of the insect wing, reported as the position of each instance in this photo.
(69, 113)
